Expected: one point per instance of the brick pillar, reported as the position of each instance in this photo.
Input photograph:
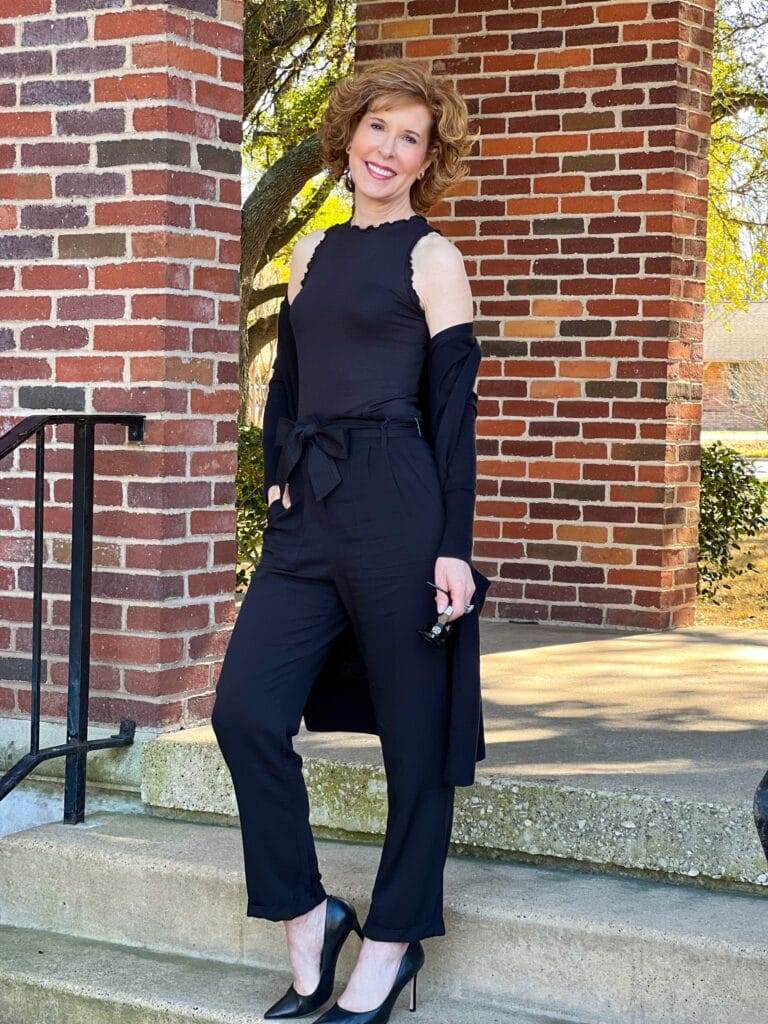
(583, 225)
(119, 233)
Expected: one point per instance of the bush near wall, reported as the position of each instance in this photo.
(733, 505)
(251, 507)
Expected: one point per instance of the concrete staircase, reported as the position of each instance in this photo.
(134, 918)
(605, 866)
(53, 979)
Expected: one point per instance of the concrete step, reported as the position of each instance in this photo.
(57, 979)
(673, 830)
(612, 950)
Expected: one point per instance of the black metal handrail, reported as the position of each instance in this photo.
(77, 745)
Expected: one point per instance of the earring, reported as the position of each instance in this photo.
(348, 178)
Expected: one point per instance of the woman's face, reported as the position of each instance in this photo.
(388, 151)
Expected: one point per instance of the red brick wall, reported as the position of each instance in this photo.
(583, 225)
(716, 396)
(720, 410)
(119, 239)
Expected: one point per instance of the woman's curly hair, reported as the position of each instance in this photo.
(394, 82)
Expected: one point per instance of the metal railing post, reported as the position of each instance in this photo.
(79, 622)
(77, 745)
(37, 591)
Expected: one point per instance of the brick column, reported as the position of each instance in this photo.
(119, 233)
(583, 226)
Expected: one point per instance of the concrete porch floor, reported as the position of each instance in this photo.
(681, 713)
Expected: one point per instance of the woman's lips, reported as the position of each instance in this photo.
(375, 174)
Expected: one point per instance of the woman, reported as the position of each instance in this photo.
(358, 519)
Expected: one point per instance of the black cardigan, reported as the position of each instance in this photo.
(340, 698)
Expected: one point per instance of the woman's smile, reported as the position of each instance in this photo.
(377, 171)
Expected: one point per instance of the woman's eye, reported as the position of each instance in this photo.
(410, 138)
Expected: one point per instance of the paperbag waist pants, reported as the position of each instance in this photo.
(361, 553)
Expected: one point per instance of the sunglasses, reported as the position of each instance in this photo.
(441, 630)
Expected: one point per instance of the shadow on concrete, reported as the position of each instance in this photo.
(682, 713)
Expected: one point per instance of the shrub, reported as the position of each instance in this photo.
(733, 505)
(251, 507)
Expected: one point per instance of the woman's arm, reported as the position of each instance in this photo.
(278, 400)
(275, 406)
(440, 280)
(453, 359)
(454, 351)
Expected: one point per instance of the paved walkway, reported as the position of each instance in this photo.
(682, 712)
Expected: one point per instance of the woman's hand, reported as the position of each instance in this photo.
(274, 493)
(455, 576)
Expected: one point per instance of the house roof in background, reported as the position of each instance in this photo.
(736, 337)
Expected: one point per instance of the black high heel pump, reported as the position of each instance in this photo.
(340, 920)
(410, 965)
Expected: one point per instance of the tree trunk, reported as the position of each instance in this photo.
(265, 232)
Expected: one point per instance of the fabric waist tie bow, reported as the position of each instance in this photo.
(328, 441)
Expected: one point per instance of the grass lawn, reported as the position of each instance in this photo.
(746, 603)
(752, 443)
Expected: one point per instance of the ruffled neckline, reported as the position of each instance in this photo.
(384, 224)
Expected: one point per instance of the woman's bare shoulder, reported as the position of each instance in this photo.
(301, 257)
(440, 280)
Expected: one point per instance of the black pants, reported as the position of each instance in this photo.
(362, 553)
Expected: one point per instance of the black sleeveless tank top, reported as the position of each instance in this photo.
(361, 335)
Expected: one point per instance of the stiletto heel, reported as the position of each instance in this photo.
(340, 920)
(410, 965)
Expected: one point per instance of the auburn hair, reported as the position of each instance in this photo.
(393, 82)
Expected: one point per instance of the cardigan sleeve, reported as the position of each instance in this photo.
(278, 400)
(460, 491)
(453, 361)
